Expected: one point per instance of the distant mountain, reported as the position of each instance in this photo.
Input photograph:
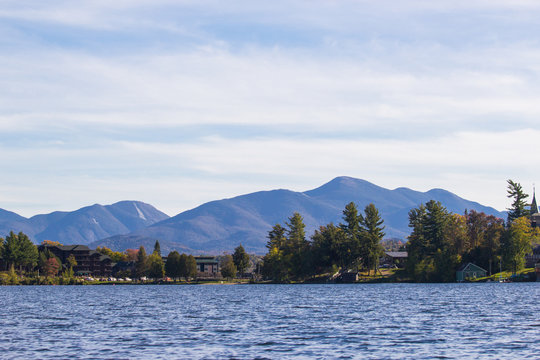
(85, 225)
(221, 225)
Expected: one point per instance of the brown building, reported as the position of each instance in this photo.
(89, 262)
(207, 266)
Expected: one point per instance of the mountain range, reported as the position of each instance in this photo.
(85, 225)
(221, 225)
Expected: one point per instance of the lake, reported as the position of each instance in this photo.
(379, 321)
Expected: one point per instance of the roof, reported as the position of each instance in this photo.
(397, 254)
(101, 256)
(206, 260)
(470, 266)
(69, 247)
(534, 207)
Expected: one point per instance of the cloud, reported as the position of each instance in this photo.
(183, 102)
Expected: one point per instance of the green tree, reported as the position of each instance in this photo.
(350, 247)
(516, 243)
(276, 237)
(140, 263)
(173, 266)
(19, 251)
(228, 269)
(326, 245)
(157, 248)
(155, 266)
(372, 236)
(431, 254)
(191, 267)
(115, 256)
(519, 205)
(296, 247)
(241, 259)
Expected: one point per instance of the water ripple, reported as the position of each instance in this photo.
(380, 321)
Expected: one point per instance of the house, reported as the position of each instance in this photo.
(89, 262)
(469, 271)
(397, 258)
(207, 266)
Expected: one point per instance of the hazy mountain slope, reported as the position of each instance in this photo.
(10, 221)
(86, 224)
(221, 225)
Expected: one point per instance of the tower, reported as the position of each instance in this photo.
(534, 207)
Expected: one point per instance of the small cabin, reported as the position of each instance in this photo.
(470, 271)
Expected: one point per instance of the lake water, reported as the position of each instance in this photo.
(380, 321)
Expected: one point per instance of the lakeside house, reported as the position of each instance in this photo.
(469, 271)
(394, 258)
(89, 262)
(207, 266)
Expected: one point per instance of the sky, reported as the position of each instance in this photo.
(176, 103)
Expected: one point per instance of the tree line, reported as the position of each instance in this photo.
(354, 243)
(439, 243)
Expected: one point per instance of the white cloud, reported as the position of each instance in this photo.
(419, 94)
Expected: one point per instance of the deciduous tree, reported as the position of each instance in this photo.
(241, 259)
(156, 268)
(228, 269)
(173, 266)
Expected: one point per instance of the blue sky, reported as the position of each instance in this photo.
(176, 103)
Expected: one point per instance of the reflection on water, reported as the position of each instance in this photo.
(380, 321)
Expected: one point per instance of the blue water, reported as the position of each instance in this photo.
(379, 321)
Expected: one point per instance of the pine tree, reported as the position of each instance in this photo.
(157, 248)
(140, 263)
(518, 208)
(296, 249)
(372, 235)
(276, 237)
(350, 247)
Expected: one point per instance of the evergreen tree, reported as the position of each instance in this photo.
(296, 248)
(372, 236)
(228, 269)
(350, 247)
(140, 263)
(157, 248)
(431, 256)
(276, 237)
(241, 259)
(326, 247)
(518, 208)
(173, 266)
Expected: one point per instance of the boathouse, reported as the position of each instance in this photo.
(469, 271)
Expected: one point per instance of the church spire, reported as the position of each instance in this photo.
(534, 207)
